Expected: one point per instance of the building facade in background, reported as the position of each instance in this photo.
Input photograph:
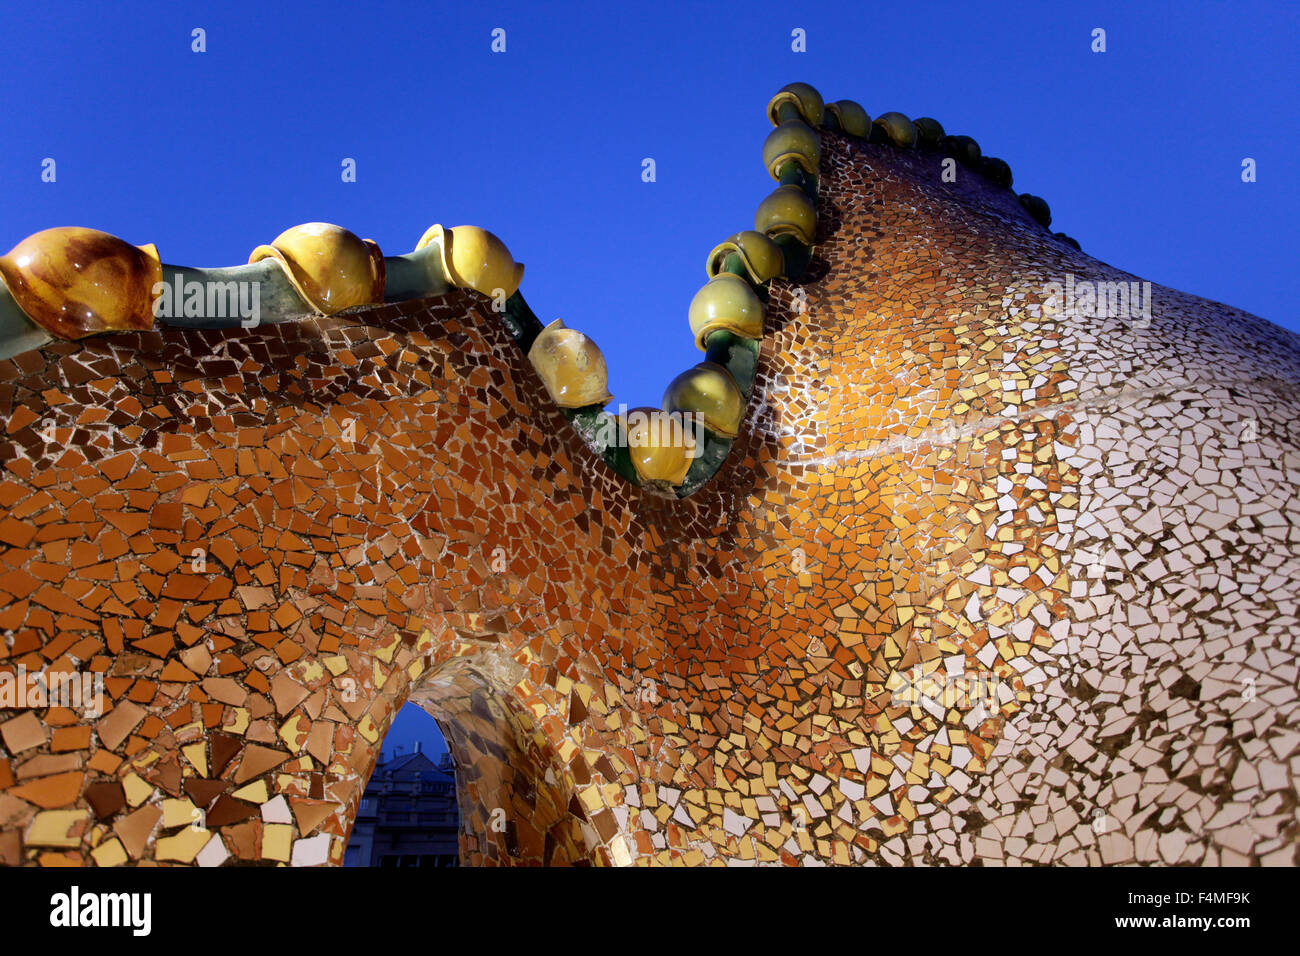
(408, 815)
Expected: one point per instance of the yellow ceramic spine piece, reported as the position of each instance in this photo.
(709, 391)
(725, 302)
(853, 119)
(787, 212)
(331, 268)
(805, 99)
(473, 258)
(75, 282)
(571, 367)
(898, 128)
(763, 258)
(792, 141)
(928, 131)
(661, 448)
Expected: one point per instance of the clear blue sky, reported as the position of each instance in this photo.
(412, 724)
(1138, 150)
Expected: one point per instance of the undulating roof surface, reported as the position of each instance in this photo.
(961, 546)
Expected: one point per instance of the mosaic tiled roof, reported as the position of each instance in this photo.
(965, 565)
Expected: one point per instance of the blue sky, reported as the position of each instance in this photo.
(412, 724)
(1138, 150)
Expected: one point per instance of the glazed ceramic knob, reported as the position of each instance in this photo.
(787, 212)
(709, 391)
(330, 267)
(473, 258)
(929, 131)
(571, 367)
(804, 98)
(898, 128)
(725, 302)
(792, 141)
(853, 119)
(1037, 207)
(962, 148)
(763, 258)
(996, 171)
(660, 445)
(75, 282)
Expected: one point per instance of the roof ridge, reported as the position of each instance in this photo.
(73, 282)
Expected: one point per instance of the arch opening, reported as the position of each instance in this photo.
(515, 796)
(408, 814)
